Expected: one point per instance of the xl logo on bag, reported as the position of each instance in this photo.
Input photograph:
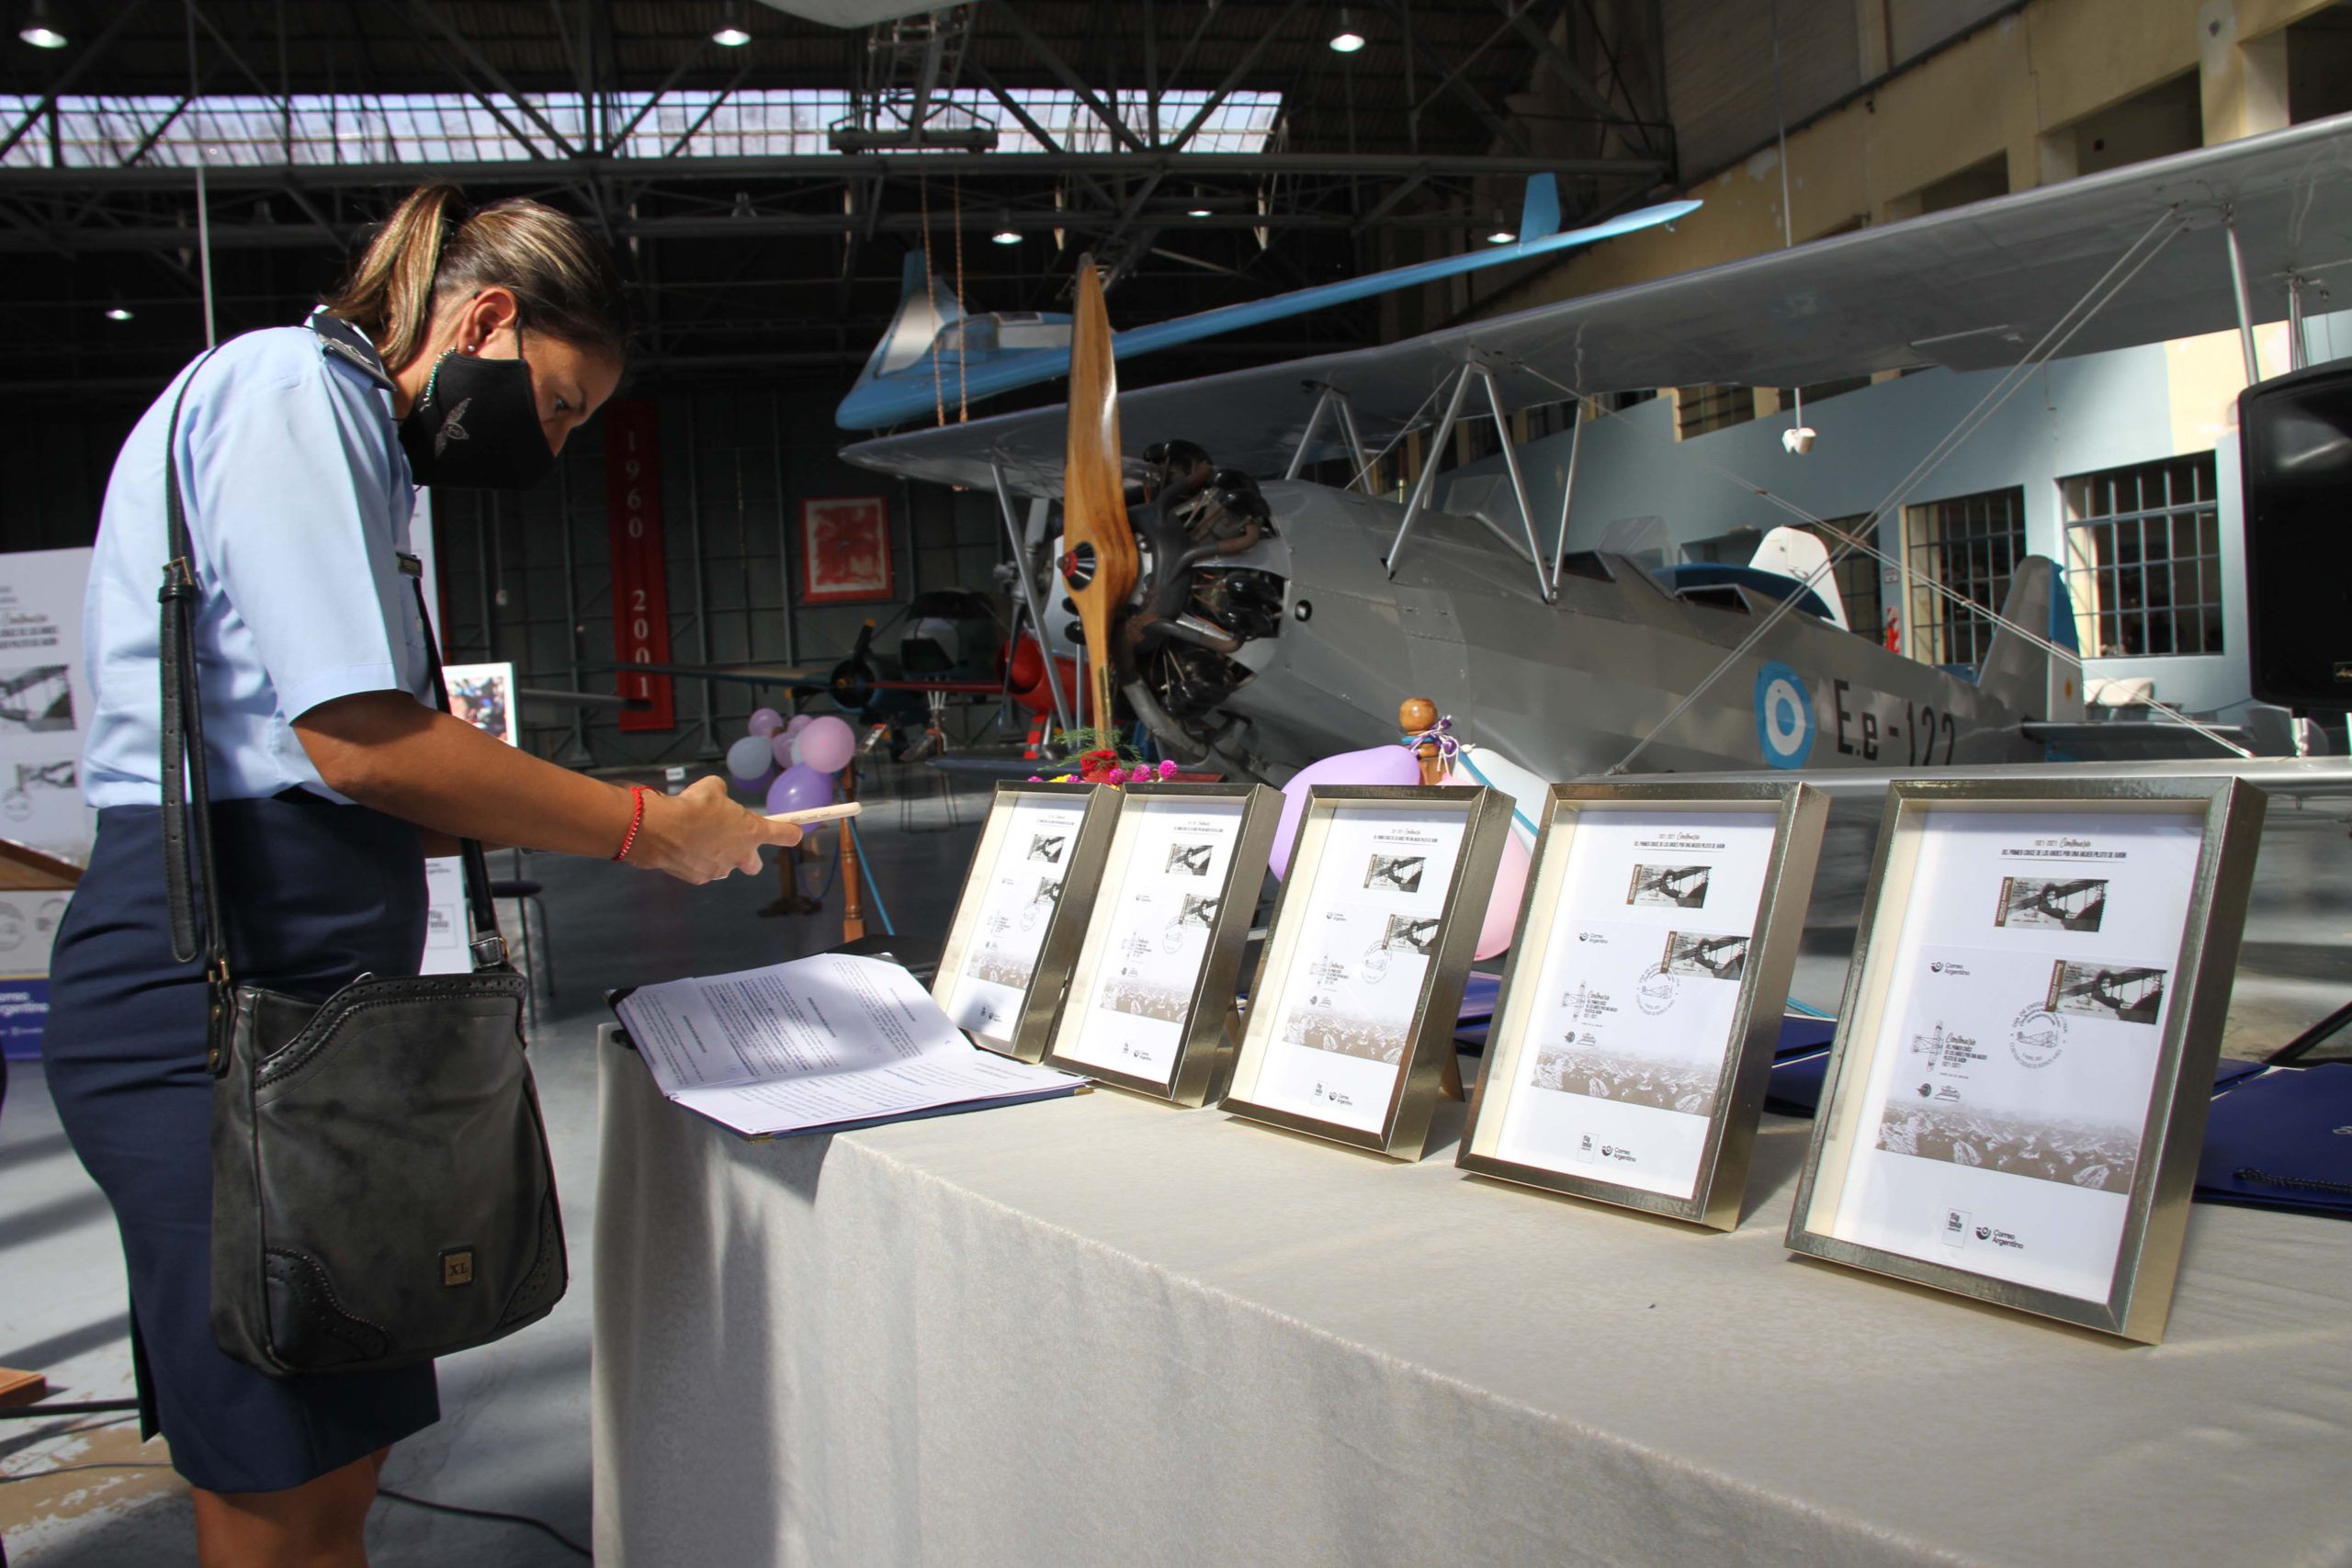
(457, 1267)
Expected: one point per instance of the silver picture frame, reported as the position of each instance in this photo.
(2227, 817)
(1402, 1126)
(1798, 814)
(1206, 977)
(1016, 1007)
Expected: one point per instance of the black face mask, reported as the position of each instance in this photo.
(477, 425)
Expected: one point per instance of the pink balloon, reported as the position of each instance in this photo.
(1379, 765)
(780, 747)
(800, 788)
(827, 745)
(799, 722)
(1502, 910)
(764, 723)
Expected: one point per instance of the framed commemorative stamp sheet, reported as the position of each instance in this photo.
(2017, 1094)
(1352, 1012)
(1161, 958)
(1637, 1016)
(1023, 911)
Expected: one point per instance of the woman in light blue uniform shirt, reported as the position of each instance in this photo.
(462, 352)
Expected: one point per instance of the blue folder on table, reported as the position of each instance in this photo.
(2283, 1140)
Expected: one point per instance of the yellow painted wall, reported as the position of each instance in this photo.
(2004, 91)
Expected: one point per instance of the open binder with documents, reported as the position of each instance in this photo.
(821, 1044)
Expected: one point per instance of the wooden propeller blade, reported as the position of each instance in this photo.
(1094, 509)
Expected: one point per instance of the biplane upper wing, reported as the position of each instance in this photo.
(1971, 289)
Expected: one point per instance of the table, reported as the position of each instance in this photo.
(1103, 1330)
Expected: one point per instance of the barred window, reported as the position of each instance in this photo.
(2144, 559)
(1967, 545)
(1699, 410)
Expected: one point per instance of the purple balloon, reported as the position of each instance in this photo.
(827, 745)
(764, 722)
(781, 746)
(800, 789)
(799, 722)
(1380, 765)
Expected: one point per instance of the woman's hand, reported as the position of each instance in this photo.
(700, 835)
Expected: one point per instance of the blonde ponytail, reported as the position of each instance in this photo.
(389, 295)
(421, 258)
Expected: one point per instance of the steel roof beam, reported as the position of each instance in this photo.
(1061, 69)
(90, 57)
(816, 165)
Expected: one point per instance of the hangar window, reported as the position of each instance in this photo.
(2144, 559)
(104, 131)
(1967, 545)
(1698, 410)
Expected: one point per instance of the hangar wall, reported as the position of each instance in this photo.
(2013, 90)
(2079, 416)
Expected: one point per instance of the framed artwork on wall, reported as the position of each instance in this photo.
(845, 549)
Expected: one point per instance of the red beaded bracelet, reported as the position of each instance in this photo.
(636, 794)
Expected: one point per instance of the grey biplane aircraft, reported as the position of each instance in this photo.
(1262, 625)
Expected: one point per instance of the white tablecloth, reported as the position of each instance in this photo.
(1103, 1331)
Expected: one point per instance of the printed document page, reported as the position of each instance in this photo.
(1131, 1018)
(1635, 999)
(1367, 934)
(2001, 1123)
(1025, 888)
(815, 1043)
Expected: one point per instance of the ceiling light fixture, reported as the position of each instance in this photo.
(1006, 234)
(730, 33)
(1346, 41)
(118, 313)
(41, 29)
(1502, 233)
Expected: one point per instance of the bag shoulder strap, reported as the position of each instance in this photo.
(187, 793)
(185, 787)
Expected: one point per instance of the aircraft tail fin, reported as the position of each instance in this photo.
(1539, 215)
(2019, 673)
(926, 305)
(1791, 552)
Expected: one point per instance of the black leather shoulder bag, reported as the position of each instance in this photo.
(381, 1191)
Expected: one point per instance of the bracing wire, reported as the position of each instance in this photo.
(963, 347)
(2126, 267)
(938, 380)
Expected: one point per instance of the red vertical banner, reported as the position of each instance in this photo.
(641, 575)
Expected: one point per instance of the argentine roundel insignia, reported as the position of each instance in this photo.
(1783, 716)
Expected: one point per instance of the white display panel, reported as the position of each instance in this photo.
(1344, 1010)
(1022, 886)
(1999, 1126)
(45, 701)
(1142, 961)
(1651, 921)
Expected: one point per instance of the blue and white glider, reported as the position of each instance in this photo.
(932, 346)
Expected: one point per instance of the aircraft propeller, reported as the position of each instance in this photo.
(1094, 510)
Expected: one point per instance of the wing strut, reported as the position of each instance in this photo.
(1029, 597)
(1329, 398)
(1544, 587)
(1568, 494)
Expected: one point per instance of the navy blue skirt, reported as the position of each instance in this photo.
(316, 894)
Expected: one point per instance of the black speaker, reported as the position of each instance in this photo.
(2295, 449)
